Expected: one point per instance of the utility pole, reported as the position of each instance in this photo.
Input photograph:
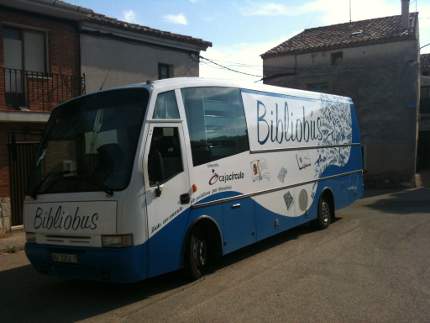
(350, 12)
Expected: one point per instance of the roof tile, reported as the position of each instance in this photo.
(343, 35)
(105, 20)
(102, 19)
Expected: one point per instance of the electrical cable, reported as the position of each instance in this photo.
(228, 68)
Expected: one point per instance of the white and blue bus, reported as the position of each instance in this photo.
(142, 180)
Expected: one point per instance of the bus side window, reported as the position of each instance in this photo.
(166, 106)
(216, 123)
(164, 159)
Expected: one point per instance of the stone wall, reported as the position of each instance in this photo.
(383, 81)
(4, 215)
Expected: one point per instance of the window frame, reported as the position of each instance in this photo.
(157, 95)
(176, 123)
(336, 58)
(169, 69)
(181, 154)
(25, 28)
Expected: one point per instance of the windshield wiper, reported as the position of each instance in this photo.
(104, 187)
(107, 190)
(54, 176)
(57, 175)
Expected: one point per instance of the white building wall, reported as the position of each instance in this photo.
(119, 62)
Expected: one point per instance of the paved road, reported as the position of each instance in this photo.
(373, 264)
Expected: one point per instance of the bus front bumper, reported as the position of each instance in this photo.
(122, 265)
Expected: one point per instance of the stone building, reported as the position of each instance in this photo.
(376, 63)
(423, 157)
(51, 51)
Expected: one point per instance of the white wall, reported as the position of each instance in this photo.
(123, 62)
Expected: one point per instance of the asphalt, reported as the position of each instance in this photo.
(372, 265)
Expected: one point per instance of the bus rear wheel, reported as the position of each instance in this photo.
(325, 212)
(197, 257)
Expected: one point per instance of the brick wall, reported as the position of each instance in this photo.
(43, 92)
(2, 98)
(4, 181)
(4, 161)
(23, 132)
(63, 51)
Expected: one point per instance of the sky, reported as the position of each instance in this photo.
(242, 30)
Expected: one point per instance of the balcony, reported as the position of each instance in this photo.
(38, 91)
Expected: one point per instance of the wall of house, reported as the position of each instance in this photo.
(63, 58)
(423, 157)
(4, 181)
(383, 81)
(116, 62)
(22, 132)
(62, 55)
(425, 80)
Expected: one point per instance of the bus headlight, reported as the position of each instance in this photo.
(30, 237)
(118, 240)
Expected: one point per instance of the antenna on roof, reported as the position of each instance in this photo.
(350, 12)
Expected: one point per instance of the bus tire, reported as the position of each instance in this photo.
(325, 213)
(197, 254)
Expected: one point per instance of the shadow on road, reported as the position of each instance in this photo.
(376, 192)
(28, 296)
(268, 243)
(404, 202)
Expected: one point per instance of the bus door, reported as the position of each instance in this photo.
(167, 186)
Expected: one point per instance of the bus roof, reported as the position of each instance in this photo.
(180, 82)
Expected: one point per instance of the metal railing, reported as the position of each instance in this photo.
(39, 91)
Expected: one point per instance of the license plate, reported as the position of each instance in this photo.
(64, 258)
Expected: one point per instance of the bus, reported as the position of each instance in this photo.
(150, 178)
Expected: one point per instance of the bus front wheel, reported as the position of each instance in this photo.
(197, 257)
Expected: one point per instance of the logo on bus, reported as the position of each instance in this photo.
(61, 220)
(233, 176)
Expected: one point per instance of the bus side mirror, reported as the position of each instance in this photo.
(158, 189)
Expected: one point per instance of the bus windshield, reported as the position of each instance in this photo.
(90, 143)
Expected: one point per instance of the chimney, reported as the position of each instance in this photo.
(405, 14)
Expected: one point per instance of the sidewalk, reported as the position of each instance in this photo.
(423, 179)
(12, 242)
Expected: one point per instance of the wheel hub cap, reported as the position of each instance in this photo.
(325, 212)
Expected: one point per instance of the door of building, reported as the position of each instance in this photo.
(22, 157)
